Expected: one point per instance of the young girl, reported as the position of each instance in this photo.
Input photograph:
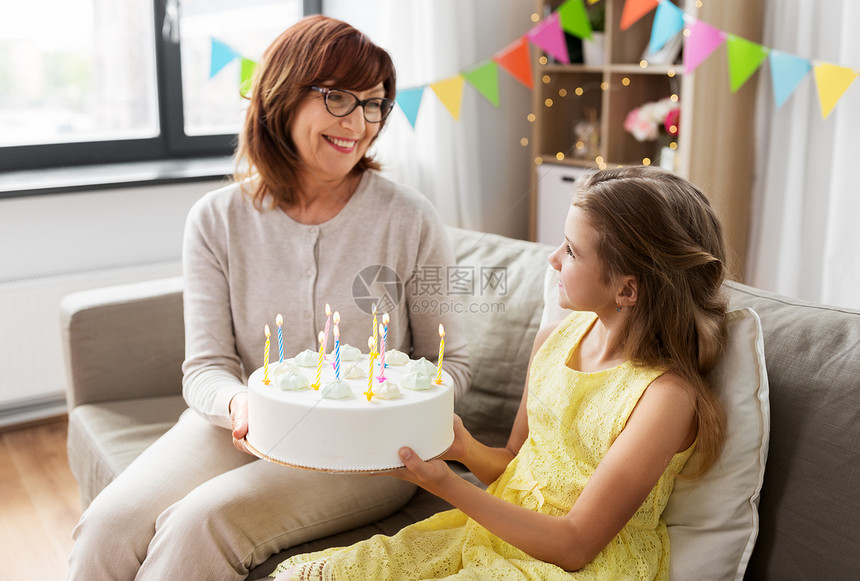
(615, 402)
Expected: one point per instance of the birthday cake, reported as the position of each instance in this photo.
(344, 423)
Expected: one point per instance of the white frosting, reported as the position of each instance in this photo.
(395, 357)
(355, 371)
(416, 381)
(337, 389)
(421, 366)
(387, 390)
(304, 428)
(283, 367)
(349, 353)
(292, 380)
(307, 358)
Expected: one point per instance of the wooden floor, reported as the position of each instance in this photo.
(39, 504)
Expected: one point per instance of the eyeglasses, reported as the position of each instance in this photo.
(341, 103)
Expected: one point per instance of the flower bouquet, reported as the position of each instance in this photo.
(657, 120)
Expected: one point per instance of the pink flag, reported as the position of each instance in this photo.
(703, 40)
(549, 37)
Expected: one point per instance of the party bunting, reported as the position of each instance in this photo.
(832, 81)
(409, 100)
(549, 37)
(247, 72)
(450, 92)
(221, 56)
(485, 78)
(634, 10)
(786, 72)
(703, 40)
(744, 57)
(516, 60)
(668, 21)
(574, 18)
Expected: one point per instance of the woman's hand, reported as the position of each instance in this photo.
(239, 421)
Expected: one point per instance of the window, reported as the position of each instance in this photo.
(100, 81)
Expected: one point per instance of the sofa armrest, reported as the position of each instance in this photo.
(123, 342)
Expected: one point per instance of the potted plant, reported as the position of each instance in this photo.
(594, 50)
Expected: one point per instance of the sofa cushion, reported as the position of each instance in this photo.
(713, 520)
(105, 437)
(501, 314)
(810, 499)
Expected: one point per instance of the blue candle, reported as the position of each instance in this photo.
(280, 321)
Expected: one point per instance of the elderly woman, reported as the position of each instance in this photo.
(307, 218)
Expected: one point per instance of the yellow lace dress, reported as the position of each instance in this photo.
(573, 419)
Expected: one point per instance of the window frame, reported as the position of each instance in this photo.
(171, 144)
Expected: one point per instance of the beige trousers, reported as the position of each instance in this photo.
(193, 507)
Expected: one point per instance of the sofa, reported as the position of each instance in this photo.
(124, 346)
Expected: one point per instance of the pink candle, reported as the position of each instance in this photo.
(384, 331)
(327, 325)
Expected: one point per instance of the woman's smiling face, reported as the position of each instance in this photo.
(330, 146)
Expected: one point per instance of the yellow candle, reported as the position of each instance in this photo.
(441, 352)
(266, 358)
(320, 361)
(372, 344)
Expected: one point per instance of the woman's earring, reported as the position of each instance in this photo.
(617, 309)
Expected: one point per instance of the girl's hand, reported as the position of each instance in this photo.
(460, 447)
(239, 421)
(428, 475)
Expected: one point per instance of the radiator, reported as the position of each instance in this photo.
(32, 372)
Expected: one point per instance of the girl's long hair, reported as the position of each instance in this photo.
(661, 229)
(315, 50)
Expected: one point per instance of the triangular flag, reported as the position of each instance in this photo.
(634, 10)
(744, 58)
(786, 72)
(221, 56)
(409, 100)
(515, 59)
(704, 39)
(485, 78)
(549, 37)
(668, 21)
(832, 82)
(245, 75)
(574, 19)
(450, 92)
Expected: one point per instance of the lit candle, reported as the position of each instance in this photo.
(327, 325)
(441, 352)
(266, 358)
(375, 339)
(280, 321)
(371, 342)
(320, 362)
(336, 346)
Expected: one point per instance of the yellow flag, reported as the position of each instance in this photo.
(832, 81)
(450, 92)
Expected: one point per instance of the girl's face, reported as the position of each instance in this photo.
(331, 146)
(581, 285)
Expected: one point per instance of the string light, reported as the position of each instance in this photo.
(548, 102)
(673, 144)
(604, 86)
(559, 156)
(643, 64)
(546, 79)
(673, 97)
(562, 92)
(579, 91)
(671, 73)
(646, 161)
(524, 141)
(535, 17)
(538, 160)
(625, 81)
(531, 117)
(542, 60)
